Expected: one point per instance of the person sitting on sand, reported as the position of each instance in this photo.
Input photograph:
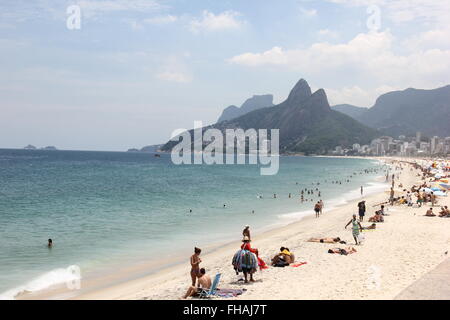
(378, 217)
(204, 283)
(402, 200)
(327, 240)
(283, 258)
(356, 227)
(346, 251)
(445, 212)
(430, 213)
(195, 265)
(373, 226)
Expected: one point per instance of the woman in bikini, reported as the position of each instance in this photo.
(195, 265)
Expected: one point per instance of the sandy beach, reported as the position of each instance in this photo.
(400, 251)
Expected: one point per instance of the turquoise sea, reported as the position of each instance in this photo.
(112, 208)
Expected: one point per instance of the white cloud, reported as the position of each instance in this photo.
(361, 97)
(175, 70)
(401, 11)
(369, 57)
(327, 33)
(227, 20)
(91, 8)
(174, 76)
(161, 20)
(308, 12)
(436, 38)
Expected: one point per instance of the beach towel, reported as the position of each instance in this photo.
(298, 264)
(229, 293)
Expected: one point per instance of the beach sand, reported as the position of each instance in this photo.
(392, 257)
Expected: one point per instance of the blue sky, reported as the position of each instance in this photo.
(136, 70)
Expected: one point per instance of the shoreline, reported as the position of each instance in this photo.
(171, 282)
(111, 277)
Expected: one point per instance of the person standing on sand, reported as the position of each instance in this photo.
(195, 265)
(362, 190)
(356, 228)
(321, 205)
(391, 196)
(433, 199)
(362, 210)
(246, 232)
(317, 209)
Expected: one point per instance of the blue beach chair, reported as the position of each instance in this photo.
(212, 291)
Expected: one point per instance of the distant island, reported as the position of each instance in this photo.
(147, 149)
(31, 147)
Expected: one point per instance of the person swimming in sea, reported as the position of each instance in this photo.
(50, 243)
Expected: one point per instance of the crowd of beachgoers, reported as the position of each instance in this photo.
(431, 186)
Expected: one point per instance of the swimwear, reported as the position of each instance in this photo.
(355, 228)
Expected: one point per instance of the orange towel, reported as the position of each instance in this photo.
(298, 264)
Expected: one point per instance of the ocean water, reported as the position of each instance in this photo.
(111, 208)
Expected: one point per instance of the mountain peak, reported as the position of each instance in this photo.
(251, 104)
(300, 93)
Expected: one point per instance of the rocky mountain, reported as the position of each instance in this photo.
(254, 103)
(306, 122)
(411, 110)
(350, 110)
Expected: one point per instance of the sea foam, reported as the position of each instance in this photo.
(54, 277)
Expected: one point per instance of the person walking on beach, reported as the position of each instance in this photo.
(246, 232)
(356, 228)
(317, 209)
(391, 196)
(321, 206)
(362, 190)
(195, 265)
(362, 210)
(433, 199)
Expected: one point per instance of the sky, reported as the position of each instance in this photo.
(136, 70)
